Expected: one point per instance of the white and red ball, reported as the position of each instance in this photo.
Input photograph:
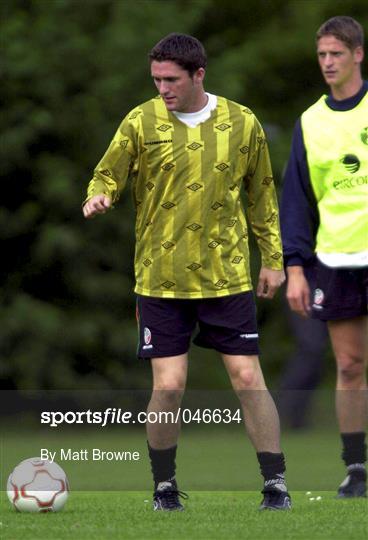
(37, 485)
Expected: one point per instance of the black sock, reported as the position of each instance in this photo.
(354, 449)
(162, 463)
(272, 465)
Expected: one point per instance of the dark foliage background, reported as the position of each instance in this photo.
(71, 70)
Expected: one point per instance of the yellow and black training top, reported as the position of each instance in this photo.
(191, 230)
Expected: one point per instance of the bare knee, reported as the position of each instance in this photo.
(248, 378)
(168, 392)
(351, 370)
(169, 379)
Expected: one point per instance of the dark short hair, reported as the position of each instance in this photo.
(186, 51)
(346, 29)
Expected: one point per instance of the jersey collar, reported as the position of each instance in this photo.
(348, 103)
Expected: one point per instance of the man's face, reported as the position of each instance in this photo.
(338, 63)
(177, 88)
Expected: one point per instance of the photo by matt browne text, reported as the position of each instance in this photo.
(187, 154)
(324, 222)
(88, 454)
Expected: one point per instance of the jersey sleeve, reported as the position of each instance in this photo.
(298, 212)
(262, 207)
(116, 166)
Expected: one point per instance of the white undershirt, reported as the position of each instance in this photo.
(344, 260)
(195, 118)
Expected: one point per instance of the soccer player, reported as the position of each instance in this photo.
(186, 154)
(324, 219)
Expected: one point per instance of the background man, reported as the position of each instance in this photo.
(303, 370)
(324, 212)
(187, 154)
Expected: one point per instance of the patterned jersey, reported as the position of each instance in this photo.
(191, 228)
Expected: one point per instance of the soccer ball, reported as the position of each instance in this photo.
(37, 485)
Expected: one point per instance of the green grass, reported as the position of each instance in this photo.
(215, 515)
(217, 467)
(208, 458)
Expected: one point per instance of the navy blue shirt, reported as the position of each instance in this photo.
(299, 212)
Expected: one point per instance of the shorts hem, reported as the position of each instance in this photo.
(162, 355)
(242, 353)
(223, 350)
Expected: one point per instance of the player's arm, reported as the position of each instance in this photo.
(299, 223)
(112, 172)
(263, 214)
(298, 291)
(269, 281)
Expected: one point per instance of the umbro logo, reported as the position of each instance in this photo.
(276, 483)
(351, 163)
(162, 141)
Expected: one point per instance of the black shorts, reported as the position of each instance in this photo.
(339, 293)
(227, 324)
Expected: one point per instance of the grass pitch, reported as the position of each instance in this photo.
(208, 515)
(216, 467)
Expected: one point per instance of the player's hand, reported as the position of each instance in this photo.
(269, 281)
(96, 205)
(298, 291)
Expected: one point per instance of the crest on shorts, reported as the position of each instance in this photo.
(147, 335)
(318, 297)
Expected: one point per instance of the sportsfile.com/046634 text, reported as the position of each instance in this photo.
(118, 416)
